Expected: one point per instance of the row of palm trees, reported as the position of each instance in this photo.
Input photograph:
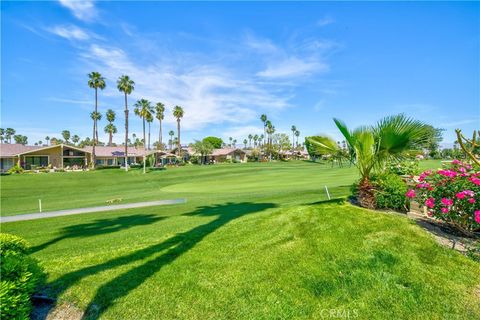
(143, 109)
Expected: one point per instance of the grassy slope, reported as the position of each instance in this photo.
(255, 254)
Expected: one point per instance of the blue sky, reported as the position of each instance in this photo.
(227, 63)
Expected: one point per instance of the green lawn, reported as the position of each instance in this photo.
(253, 242)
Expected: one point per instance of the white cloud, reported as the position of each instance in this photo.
(82, 9)
(210, 94)
(293, 67)
(70, 32)
(325, 21)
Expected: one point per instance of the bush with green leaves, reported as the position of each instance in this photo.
(405, 167)
(21, 275)
(388, 191)
(15, 169)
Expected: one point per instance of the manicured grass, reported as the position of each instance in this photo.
(266, 251)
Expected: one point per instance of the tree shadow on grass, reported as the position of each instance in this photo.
(118, 287)
(99, 227)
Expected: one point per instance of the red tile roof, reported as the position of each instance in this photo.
(10, 150)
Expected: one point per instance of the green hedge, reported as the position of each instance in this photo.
(21, 275)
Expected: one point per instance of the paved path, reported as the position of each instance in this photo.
(33, 216)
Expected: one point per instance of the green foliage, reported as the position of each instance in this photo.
(10, 242)
(405, 167)
(15, 169)
(21, 275)
(214, 141)
(101, 167)
(389, 192)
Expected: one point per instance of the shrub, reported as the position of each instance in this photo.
(15, 169)
(21, 275)
(451, 195)
(406, 167)
(389, 192)
(107, 167)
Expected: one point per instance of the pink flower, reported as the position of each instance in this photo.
(455, 161)
(477, 216)
(469, 193)
(444, 210)
(447, 202)
(410, 193)
(423, 185)
(471, 200)
(430, 202)
(475, 180)
(462, 170)
(460, 195)
(447, 173)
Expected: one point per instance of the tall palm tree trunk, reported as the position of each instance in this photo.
(178, 134)
(126, 133)
(94, 130)
(160, 136)
(110, 139)
(144, 146)
(149, 136)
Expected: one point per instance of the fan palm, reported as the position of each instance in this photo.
(160, 115)
(297, 134)
(149, 121)
(171, 133)
(75, 139)
(144, 110)
(126, 85)
(66, 135)
(370, 147)
(9, 133)
(95, 81)
(255, 138)
(263, 118)
(178, 114)
(111, 130)
(245, 141)
(250, 137)
(47, 138)
(293, 129)
(95, 116)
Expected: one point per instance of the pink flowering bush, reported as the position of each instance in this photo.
(451, 194)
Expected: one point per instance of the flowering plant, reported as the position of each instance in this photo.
(451, 194)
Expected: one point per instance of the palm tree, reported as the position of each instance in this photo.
(160, 115)
(178, 114)
(250, 137)
(66, 135)
(297, 134)
(234, 143)
(255, 138)
(111, 130)
(245, 141)
(370, 147)
(2, 135)
(96, 116)
(110, 127)
(126, 85)
(149, 121)
(231, 139)
(171, 133)
(9, 133)
(261, 138)
(40, 142)
(47, 138)
(95, 81)
(294, 129)
(75, 139)
(263, 118)
(143, 109)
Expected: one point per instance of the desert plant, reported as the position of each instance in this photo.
(371, 147)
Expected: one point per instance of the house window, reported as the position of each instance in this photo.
(36, 161)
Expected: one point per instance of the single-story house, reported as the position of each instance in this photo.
(228, 154)
(65, 156)
(113, 156)
(30, 157)
(164, 158)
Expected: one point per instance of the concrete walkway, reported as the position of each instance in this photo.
(51, 214)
